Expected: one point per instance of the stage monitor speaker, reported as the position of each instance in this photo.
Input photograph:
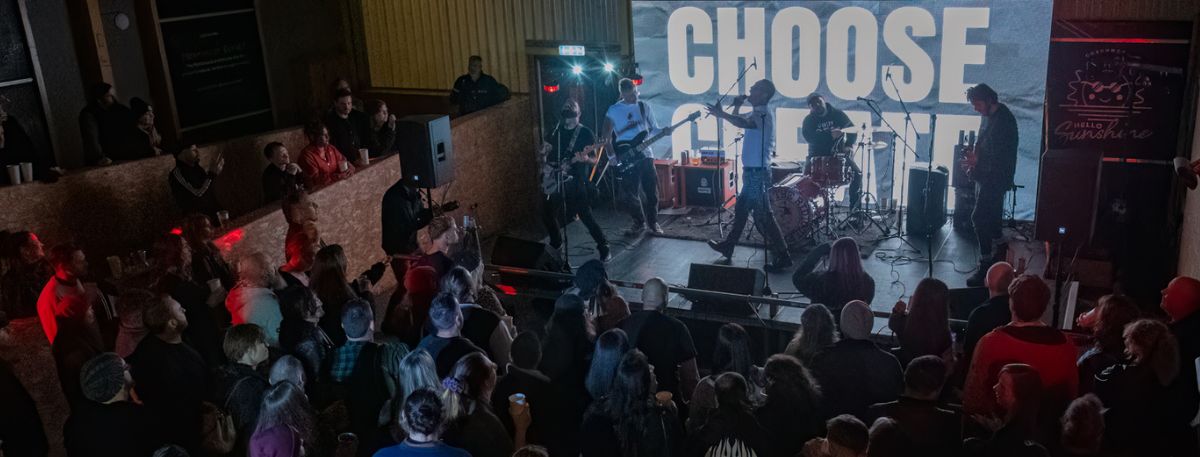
(964, 300)
(923, 219)
(426, 149)
(722, 278)
(533, 255)
(1066, 198)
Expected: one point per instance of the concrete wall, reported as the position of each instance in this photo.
(48, 23)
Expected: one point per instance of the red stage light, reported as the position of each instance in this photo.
(637, 80)
(550, 88)
(227, 241)
(506, 289)
(177, 231)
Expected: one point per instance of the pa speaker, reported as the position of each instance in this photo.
(533, 255)
(1066, 200)
(922, 218)
(426, 150)
(722, 278)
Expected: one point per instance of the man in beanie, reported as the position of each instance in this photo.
(108, 423)
(21, 430)
(78, 340)
(666, 342)
(854, 373)
(1025, 340)
(447, 345)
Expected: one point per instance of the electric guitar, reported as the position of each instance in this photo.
(552, 175)
(969, 159)
(627, 153)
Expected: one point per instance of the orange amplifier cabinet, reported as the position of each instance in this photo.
(707, 185)
(668, 183)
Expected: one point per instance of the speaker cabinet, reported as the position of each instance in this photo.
(426, 149)
(533, 255)
(1066, 200)
(722, 278)
(924, 219)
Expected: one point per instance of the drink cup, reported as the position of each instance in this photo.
(114, 265)
(663, 398)
(364, 156)
(517, 404)
(27, 171)
(14, 174)
(347, 445)
(222, 218)
(214, 284)
(343, 166)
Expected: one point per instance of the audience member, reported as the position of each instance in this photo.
(287, 369)
(1083, 428)
(70, 266)
(532, 450)
(328, 280)
(402, 215)
(102, 125)
(299, 334)
(732, 353)
(131, 330)
(476, 90)
(1024, 340)
(1115, 312)
(404, 373)
(300, 213)
(611, 347)
(792, 412)
(443, 234)
(253, 300)
(1015, 424)
(110, 423)
(405, 318)
(16, 147)
(282, 176)
(854, 373)
(207, 262)
(887, 439)
(565, 353)
(928, 430)
(843, 279)
(1181, 302)
(381, 133)
(923, 327)
(339, 84)
(238, 386)
(143, 138)
(846, 436)
(300, 252)
(630, 421)
(992, 314)
(447, 345)
(1135, 393)
(193, 186)
(423, 421)
(172, 378)
(77, 341)
(21, 430)
(174, 279)
(28, 272)
(322, 163)
(484, 328)
(522, 377)
(349, 128)
(665, 341)
(732, 429)
(470, 422)
(592, 285)
(357, 366)
(287, 425)
(817, 331)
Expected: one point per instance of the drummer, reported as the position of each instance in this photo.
(822, 130)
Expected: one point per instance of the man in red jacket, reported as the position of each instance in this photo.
(1024, 340)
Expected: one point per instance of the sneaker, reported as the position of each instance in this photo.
(657, 229)
(635, 229)
(603, 253)
(723, 247)
(781, 263)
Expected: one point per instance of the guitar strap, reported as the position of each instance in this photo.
(645, 121)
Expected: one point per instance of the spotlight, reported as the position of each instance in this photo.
(576, 70)
(550, 87)
(609, 68)
(637, 79)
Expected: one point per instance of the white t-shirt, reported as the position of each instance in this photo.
(627, 119)
(758, 141)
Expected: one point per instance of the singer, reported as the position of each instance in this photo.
(822, 128)
(759, 126)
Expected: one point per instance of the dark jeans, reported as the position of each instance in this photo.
(553, 215)
(639, 192)
(989, 210)
(754, 198)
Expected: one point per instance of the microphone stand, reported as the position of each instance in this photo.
(720, 150)
(903, 159)
(928, 182)
(899, 234)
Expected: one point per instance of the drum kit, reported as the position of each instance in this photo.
(803, 203)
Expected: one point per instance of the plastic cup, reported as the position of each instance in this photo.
(364, 156)
(14, 174)
(214, 284)
(347, 445)
(517, 404)
(27, 171)
(114, 265)
(663, 398)
(343, 166)
(222, 218)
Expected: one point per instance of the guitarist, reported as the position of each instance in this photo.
(759, 126)
(568, 146)
(995, 163)
(625, 119)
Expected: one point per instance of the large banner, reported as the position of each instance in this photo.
(690, 52)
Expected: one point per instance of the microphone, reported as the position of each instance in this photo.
(754, 64)
(865, 99)
(889, 73)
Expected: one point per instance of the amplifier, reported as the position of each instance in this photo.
(712, 156)
(706, 185)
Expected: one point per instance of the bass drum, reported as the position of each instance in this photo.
(798, 205)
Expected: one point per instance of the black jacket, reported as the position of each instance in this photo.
(547, 418)
(277, 183)
(855, 374)
(121, 429)
(18, 147)
(173, 382)
(381, 141)
(729, 432)
(75, 344)
(928, 429)
(366, 394)
(104, 131)
(21, 430)
(827, 288)
(307, 342)
(403, 214)
(21, 286)
(471, 95)
(996, 149)
(194, 189)
(350, 134)
(238, 390)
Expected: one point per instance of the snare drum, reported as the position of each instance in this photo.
(794, 188)
(829, 171)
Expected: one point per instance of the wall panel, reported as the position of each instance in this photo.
(424, 44)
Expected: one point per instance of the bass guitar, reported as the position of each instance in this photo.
(627, 153)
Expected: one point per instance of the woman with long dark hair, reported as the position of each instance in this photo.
(1019, 427)
(328, 280)
(817, 331)
(470, 422)
(843, 279)
(792, 412)
(731, 354)
(628, 421)
(611, 347)
(286, 424)
(923, 327)
(732, 429)
(1113, 314)
(483, 327)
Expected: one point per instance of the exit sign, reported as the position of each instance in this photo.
(570, 50)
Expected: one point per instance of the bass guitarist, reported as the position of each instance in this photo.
(567, 161)
(625, 119)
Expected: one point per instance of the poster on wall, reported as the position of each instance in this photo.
(925, 53)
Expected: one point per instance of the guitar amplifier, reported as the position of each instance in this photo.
(706, 185)
(712, 156)
(668, 183)
(958, 177)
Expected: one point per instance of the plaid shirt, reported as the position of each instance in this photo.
(344, 360)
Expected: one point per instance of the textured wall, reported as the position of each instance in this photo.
(1127, 10)
(424, 44)
(55, 50)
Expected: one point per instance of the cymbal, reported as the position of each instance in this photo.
(878, 145)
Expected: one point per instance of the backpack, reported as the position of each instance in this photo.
(218, 434)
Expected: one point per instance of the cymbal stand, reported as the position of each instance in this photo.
(864, 149)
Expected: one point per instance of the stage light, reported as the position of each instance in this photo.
(609, 68)
(576, 70)
(550, 87)
(637, 80)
